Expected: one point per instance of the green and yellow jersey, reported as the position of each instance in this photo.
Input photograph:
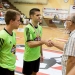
(30, 33)
(7, 50)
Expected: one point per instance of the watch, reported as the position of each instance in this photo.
(65, 1)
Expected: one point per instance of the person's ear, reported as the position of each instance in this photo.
(11, 21)
(31, 16)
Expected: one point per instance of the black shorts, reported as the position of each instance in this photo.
(32, 66)
(4, 71)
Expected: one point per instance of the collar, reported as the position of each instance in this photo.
(8, 32)
(72, 32)
(32, 25)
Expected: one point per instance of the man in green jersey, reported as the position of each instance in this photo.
(33, 44)
(8, 43)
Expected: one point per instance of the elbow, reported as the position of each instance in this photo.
(30, 44)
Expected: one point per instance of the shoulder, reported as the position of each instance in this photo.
(73, 36)
(3, 34)
(29, 27)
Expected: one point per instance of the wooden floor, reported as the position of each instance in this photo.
(48, 33)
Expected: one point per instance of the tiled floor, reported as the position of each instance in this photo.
(50, 66)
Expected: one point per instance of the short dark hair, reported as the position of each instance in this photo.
(11, 15)
(33, 10)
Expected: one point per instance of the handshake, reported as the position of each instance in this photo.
(48, 43)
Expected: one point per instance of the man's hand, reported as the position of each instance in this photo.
(49, 43)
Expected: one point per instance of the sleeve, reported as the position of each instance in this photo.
(28, 35)
(70, 47)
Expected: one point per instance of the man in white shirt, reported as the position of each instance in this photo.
(68, 58)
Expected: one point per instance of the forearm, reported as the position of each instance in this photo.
(70, 65)
(35, 43)
(58, 45)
